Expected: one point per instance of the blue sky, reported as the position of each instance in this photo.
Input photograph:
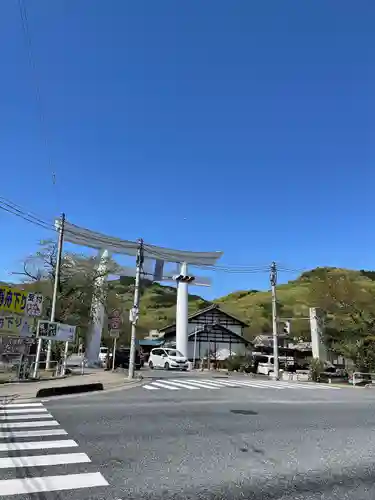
(240, 126)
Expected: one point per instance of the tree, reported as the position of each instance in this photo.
(79, 276)
(350, 309)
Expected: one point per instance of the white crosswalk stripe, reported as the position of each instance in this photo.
(215, 384)
(27, 429)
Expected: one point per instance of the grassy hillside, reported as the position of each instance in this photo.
(340, 292)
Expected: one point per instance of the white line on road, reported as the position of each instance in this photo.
(180, 384)
(39, 432)
(199, 385)
(259, 385)
(204, 384)
(25, 417)
(50, 483)
(39, 423)
(227, 383)
(21, 405)
(7, 401)
(44, 460)
(151, 388)
(159, 384)
(38, 445)
(23, 410)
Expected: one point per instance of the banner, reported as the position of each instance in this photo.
(56, 331)
(13, 299)
(16, 326)
(34, 304)
(13, 345)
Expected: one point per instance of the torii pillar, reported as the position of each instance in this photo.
(94, 335)
(182, 313)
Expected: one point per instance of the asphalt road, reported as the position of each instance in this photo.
(233, 443)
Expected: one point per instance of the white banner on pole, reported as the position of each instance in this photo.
(34, 304)
(56, 331)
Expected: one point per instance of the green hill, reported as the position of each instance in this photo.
(347, 296)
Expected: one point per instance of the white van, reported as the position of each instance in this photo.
(266, 362)
(167, 359)
(103, 354)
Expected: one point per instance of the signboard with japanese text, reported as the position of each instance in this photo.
(34, 304)
(56, 331)
(13, 345)
(16, 326)
(47, 330)
(67, 333)
(13, 299)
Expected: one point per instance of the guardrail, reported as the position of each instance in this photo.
(56, 370)
(10, 367)
(298, 376)
(360, 377)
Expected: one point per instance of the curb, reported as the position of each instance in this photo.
(107, 389)
(68, 389)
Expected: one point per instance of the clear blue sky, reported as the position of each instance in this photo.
(242, 126)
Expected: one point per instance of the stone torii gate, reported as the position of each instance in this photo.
(154, 264)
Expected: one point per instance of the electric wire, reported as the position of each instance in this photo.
(15, 209)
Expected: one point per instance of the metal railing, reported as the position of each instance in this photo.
(359, 377)
(10, 365)
(55, 370)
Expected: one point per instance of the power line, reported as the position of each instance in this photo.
(14, 209)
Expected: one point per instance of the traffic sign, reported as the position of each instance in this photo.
(115, 320)
(114, 334)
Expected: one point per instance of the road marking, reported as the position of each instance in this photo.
(23, 410)
(226, 383)
(51, 483)
(151, 388)
(259, 385)
(25, 417)
(40, 432)
(21, 405)
(204, 384)
(180, 384)
(198, 385)
(8, 401)
(44, 460)
(159, 384)
(40, 423)
(38, 445)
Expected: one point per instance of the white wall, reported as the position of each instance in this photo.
(236, 348)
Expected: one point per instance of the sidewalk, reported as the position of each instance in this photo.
(109, 380)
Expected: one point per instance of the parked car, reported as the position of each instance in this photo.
(169, 359)
(122, 357)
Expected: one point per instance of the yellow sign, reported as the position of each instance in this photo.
(12, 299)
(16, 325)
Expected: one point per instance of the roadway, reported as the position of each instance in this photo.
(234, 442)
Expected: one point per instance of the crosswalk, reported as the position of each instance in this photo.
(33, 446)
(215, 384)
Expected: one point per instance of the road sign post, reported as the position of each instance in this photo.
(115, 335)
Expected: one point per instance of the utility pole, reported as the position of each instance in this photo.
(273, 280)
(54, 298)
(134, 313)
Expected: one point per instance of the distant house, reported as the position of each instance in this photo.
(210, 330)
(266, 340)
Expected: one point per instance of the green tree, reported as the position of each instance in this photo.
(350, 308)
(77, 284)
